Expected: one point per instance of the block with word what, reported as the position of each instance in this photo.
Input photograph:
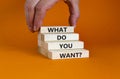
(57, 29)
(60, 42)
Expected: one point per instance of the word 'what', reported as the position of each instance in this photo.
(58, 29)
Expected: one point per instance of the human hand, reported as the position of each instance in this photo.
(35, 11)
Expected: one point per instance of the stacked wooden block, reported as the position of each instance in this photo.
(60, 42)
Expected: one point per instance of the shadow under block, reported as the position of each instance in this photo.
(59, 37)
(68, 54)
(57, 29)
(62, 45)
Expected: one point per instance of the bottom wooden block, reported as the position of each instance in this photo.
(43, 51)
(64, 54)
(68, 54)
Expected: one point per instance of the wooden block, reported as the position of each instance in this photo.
(62, 45)
(39, 43)
(59, 37)
(56, 29)
(42, 51)
(39, 39)
(68, 54)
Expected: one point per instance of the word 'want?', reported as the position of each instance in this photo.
(70, 55)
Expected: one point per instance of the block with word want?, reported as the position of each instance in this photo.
(43, 51)
(68, 54)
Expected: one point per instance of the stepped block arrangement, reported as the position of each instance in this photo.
(60, 42)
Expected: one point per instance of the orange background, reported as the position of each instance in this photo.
(98, 26)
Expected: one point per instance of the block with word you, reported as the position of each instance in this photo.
(62, 45)
(60, 42)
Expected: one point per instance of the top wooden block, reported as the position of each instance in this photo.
(57, 29)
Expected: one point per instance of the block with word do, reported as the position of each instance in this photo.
(59, 37)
